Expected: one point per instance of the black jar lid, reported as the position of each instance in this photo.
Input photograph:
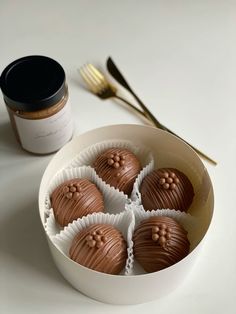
(33, 83)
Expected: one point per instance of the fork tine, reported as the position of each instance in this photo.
(88, 79)
(96, 73)
(100, 86)
(97, 76)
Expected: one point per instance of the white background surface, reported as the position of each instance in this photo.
(179, 56)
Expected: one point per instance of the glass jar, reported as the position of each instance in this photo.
(36, 96)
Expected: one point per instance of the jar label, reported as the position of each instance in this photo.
(46, 135)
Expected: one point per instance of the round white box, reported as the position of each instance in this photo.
(168, 151)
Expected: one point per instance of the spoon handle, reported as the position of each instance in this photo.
(117, 75)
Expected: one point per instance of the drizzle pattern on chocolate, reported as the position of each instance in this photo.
(74, 199)
(100, 247)
(166, 188)
(118, 167)
(160, 242)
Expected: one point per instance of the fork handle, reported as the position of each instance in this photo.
(148, 115)
(115, 72)
(118, 76)
(161, 126)
(141, 112)
(194, 148)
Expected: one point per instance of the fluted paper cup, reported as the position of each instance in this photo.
(124, 222)
(89, 155)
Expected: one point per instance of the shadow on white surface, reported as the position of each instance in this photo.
(29, 272)
(25, 244)
(8, 142)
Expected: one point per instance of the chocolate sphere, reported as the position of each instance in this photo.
(74, 199)
(166, 188)
(118, 167)
(159, 242)
(100, 247)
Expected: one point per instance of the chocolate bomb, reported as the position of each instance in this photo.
(159, 242)
(166, 188)
(118, 167)
(74, 199)
(100, 247)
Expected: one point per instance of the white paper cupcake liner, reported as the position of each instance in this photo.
(136, 195)
(87, 156)
(114, 201)
(51, 226)
(124, 222)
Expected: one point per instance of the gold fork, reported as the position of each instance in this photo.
(101, 87)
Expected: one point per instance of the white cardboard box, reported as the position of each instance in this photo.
(168, 151)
